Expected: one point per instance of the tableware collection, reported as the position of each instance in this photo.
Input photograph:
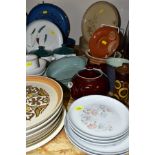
(44, 111)
(97, 120)
(98, 124)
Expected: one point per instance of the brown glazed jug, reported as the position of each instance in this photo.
(121, 90)
(89, 82)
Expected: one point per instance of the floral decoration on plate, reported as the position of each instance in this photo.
(37, 99)
(94, 117)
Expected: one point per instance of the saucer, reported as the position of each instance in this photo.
(38, 71)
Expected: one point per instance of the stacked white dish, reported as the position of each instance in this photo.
(98, 125)
(45, 113)
(35, 65)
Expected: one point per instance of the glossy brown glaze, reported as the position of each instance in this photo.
(89, 82)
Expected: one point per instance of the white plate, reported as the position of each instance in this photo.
(55, 93)
(45, 131)
(47, 33)
(50, 120)
(118, 148)
(98, 14)
(99, 116)
(50, 137)
(94, 139)
(44, 126)
(38, 71)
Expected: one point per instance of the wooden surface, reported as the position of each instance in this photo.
(60, 145)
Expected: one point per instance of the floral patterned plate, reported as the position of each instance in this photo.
(121, 147)
(98, 14)
(96, 140)
(43, 98)
(49, 136)
(99, 116)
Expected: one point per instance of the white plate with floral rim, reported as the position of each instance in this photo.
(43, 33)
(96, 15)
(95, 140)
(99, 116)
(47, 124)
(48, 137)
(44, 124)
(114, 149)
(46, 130)
(43, 98)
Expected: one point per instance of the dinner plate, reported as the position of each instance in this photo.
(44, 131)
(51, 13)
(96, 15)
(43, 33)
(50, 120)
(38, 71)
(95, 140)
(99, 116)
(45, 124)
(114, 149)
(104, 42)
(44, 97)
(48, 137)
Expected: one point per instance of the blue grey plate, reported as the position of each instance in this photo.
(65, 68)
(51, 13)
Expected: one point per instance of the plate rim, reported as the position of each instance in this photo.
(59, 90)
(50, 137)
(95, 96)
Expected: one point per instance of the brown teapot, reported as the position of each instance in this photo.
(89, 82)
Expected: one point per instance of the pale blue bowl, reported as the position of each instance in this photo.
(65, 68)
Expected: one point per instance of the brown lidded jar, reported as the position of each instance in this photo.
(121, 91)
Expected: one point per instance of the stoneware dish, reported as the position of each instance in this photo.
(65, 68)
(89, 82)
(45, 104)
(94, 60)
(32, 62)
(43, 33)
(52, 13)
(104, 42)
(96, 15)
(121, 147)
(109, 121)
(39, 70)
(48, 137)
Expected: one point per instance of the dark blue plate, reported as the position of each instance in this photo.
(51, 13)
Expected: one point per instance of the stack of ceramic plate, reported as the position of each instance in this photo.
(98, 125)
(44, 111)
